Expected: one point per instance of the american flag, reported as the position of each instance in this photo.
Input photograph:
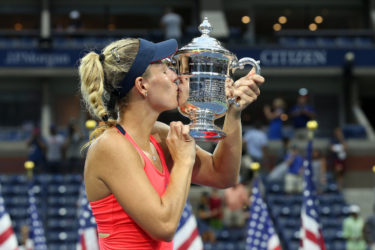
(36, 227)
(8, 239)
(261, 234)
(187, 235)
(88, 237)
(311, 233)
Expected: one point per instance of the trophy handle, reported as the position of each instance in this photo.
(240, 65)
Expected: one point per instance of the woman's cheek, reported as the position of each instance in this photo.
(183, 91)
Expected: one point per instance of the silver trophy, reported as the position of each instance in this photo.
(210, 67)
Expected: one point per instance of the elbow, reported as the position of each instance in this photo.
(230, 183)
(223, 181)
(227, 182)
(165, 232)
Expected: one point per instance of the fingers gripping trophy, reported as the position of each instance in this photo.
(210, 68)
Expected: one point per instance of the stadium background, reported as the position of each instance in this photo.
(40, 45)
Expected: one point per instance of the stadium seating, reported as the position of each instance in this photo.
(352, 131)
(285, 210)
(57, 201)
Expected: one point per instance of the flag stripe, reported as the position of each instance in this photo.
(8, 239)
(187, 243)
(5, 222)
(310, 245)
(187, 236)
(321, 240)
(88, 236)
(277, 248)
(90, 233)
(6, 234)
(83, 243)
(187, 229)
(274, 242)
(311, 236)
(10, 243)
(197, 244)
(309, 223)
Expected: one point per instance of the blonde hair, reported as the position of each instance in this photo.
(100, 76)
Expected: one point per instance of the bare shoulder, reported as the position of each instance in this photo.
(105, 158)
(109, 143)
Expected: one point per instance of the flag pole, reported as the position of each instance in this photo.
(309, 214)
(255, 166)
(29, 166)
(38, 238)
(311, 126)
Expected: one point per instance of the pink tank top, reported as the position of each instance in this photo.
(111, 218)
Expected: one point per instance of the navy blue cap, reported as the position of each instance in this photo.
(148, 52)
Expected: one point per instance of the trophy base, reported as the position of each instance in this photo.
(200, 133)
(202, 126)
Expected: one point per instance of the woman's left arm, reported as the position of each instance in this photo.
(221, 168)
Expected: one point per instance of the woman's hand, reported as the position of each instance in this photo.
(245, 90)
(180, 144)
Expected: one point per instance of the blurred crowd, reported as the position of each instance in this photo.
(57, 153)
(288, 126)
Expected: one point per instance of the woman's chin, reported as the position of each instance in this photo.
(173, 106)
(181, 100)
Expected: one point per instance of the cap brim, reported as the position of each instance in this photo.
(165, 49)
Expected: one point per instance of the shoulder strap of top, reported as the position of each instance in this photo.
(120, 129)
(153, 141)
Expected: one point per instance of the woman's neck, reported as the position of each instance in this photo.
(138, 121)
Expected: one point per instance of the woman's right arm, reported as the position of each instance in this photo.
(117, 164)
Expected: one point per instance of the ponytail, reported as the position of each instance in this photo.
(100, 75)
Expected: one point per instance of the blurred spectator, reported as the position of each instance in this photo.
(246, 174)
(236, 199)
(301, 113)
(73, 144)
(369, 231)
(256, 143)
(37, 149)
(54, 156)
(279, 171)
(171, 23)
(75, 22)
(204, 217)
(319, 167)
(25, 242)
(338, 149)
(285, 142)
(216, 209)
(274, 115)
(294, 175)
(352, 230)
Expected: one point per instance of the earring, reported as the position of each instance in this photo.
(146, 94)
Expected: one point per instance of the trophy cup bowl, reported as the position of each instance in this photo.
(209, 67)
